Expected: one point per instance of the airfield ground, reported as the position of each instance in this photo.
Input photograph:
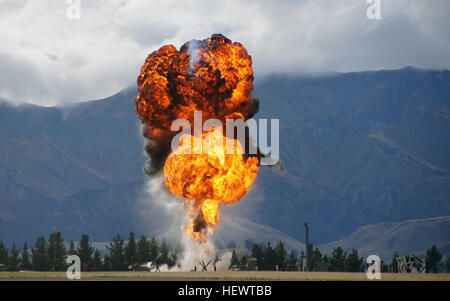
(229, 275)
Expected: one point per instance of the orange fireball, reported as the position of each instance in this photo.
(213, 76)
(210, 173)
(205, 172)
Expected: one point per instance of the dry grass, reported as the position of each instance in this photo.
(229, 275)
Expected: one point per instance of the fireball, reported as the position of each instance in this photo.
(213, 76)
(210, 175)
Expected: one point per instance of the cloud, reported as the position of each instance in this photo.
(50, 59)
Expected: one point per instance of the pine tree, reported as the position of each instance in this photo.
(72, 249)
(325, 259)
(57, 252)
(394, 267)
(257, 253)
(26, 262)
(14, 263)
(178, 251)
(117, 254)
(432, 259)
(447, 264)
(280, 256)
(154, 249)
(269, 257)
(85, 251)
(337, 260)
(4, 254)
(292, 261)
(243, 262)
(107, 263)
(163, 257)
(97, 264)
(131, 250)
(40, 255)
(234, 260)
(354, 263)
(172, 259)
(316, 257)
(143, 250)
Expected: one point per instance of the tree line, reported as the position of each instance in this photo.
(269, 258)
(272, 258)
(51, 254)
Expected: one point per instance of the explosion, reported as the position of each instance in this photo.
(213, 76)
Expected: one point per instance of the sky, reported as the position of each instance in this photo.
(56, 52)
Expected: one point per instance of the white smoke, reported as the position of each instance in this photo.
(161, 208)
(195, 254)
(160, 211)
(193, 54)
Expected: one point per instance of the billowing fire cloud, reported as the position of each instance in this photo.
(213, 76)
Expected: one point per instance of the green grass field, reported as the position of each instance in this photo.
(229, 275)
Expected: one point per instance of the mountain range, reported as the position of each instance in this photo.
(358, 149)
(405, 238)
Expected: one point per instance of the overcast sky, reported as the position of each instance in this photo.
(49, 58)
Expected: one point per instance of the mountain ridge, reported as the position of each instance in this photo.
(405, 237)
(82, 165)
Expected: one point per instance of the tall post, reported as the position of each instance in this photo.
(307, 234)
(307, 247)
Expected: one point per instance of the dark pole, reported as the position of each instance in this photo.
(307, 246)
(307, 235)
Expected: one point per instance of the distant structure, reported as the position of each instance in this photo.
(252, 264)
(309, 265)
(308, 260)
(204, 265)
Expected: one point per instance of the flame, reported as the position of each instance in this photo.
(210, 211)
(206, 173)
(213, 76)
(212, 174)
(218, 82)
